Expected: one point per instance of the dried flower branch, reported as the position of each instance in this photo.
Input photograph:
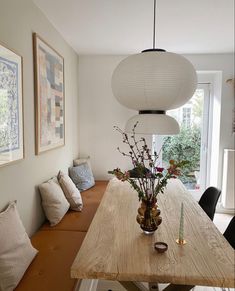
(146, 178)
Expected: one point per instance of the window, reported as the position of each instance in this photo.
(186, 118)
(192, 142)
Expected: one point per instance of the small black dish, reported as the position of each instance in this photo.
(160, 247)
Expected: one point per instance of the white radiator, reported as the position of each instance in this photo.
(228, 179)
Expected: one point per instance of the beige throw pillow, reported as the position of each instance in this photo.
(80, 161)
(54, 203)
(16, 251)
(71, 193)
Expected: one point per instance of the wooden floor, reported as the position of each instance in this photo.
(220, 220)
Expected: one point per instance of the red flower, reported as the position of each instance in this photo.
(159, 169)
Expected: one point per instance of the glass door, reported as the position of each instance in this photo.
(192, 142)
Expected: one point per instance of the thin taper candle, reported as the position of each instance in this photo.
(181, 229)
(181, 240)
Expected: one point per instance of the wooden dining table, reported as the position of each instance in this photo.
(115, 248)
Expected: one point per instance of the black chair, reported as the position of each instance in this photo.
(209, 200)
(229, 233)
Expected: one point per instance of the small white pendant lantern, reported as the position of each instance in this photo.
(152, 82)
(153, 123)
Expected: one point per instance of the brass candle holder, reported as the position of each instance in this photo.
(181, 242)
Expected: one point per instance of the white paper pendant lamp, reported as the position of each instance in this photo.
(153, 81)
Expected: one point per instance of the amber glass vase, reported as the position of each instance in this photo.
(149, 216)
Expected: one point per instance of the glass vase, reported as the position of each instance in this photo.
(149, 216)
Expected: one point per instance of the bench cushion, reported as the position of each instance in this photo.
(80, 221)
(95, 194)
(50, 270)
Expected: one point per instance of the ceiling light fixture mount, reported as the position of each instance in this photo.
(153, 50)
(152, 82)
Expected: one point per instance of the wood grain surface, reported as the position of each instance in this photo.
(116, 249)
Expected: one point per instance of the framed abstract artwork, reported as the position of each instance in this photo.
(11, 107)
(49, 96)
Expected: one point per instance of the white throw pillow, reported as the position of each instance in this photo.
(71, 193)
(80, 161)
(16, 251)
(54, 203)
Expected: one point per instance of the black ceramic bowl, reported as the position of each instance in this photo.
(160, 247)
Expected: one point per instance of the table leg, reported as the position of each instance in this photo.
(131, 286)
(174, 287)
(153, 287)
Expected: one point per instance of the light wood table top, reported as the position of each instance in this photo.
(116, 249)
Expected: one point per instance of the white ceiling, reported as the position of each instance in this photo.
(125, 26)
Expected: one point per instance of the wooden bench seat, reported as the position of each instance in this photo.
(74, 221)
(50, 270)
(58, 246)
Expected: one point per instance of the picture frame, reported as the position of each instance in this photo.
(49, 96)
(11, 106)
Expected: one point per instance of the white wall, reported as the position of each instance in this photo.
(98, 113)
(18, 20)
(99, 110)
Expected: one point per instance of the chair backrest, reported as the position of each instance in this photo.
(229, 233)
(209, 200)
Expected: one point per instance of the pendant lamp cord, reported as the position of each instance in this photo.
(154, 23)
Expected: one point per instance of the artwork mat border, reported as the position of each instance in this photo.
(36, 94)
(22, 105)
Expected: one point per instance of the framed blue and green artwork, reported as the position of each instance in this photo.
(49, 101)
(11, 107)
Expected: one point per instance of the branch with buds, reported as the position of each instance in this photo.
(146, 178)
